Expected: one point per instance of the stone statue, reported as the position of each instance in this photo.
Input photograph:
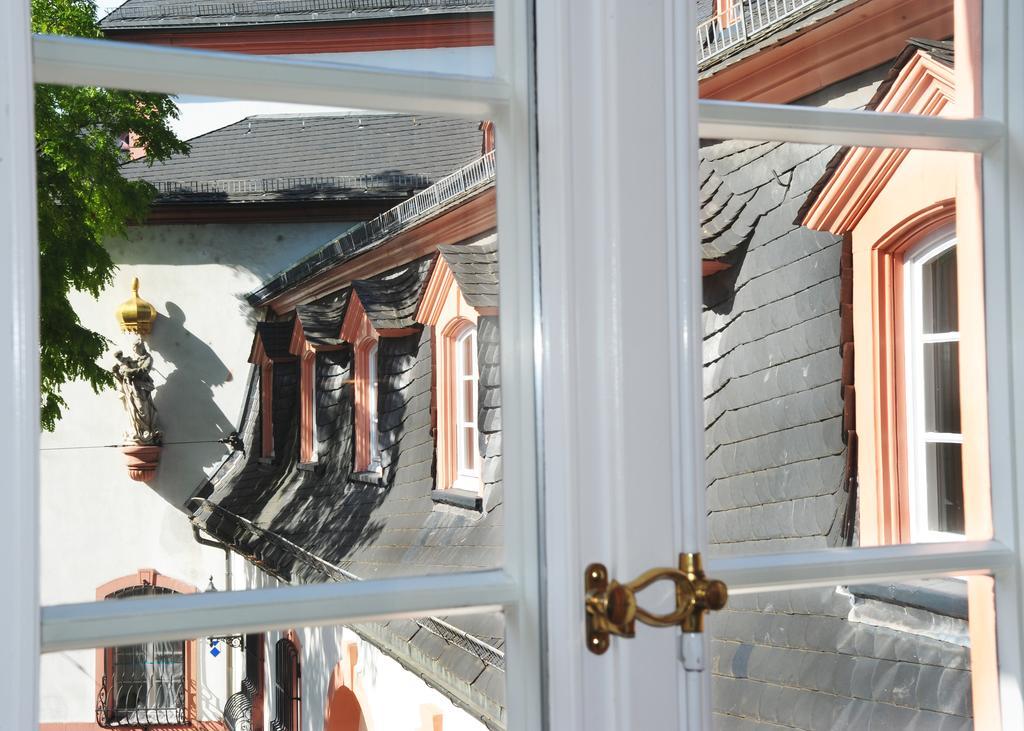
(136, 385)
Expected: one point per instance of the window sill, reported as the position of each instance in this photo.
(367, 477)
(264, 460)
(308, 466)
(466, 499)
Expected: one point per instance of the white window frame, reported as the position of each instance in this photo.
(914, 339)
(467, 478)
(581, 98)
(503, 99)
(597, 248)
(372, 407)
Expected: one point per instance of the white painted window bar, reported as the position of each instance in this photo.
(744, 20)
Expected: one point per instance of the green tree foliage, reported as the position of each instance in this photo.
(83, 198)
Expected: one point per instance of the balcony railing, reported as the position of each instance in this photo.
(743, 20)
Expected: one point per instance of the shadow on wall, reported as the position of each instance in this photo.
(186, 406)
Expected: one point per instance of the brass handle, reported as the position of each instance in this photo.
(612, 607)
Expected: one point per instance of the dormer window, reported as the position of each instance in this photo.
(456, 382)
(934, 435)
(466, 378)
(367, 436)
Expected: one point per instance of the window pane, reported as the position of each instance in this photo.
(425, 672)
(941, 387)
(819, 386)
(469, 401)
(946, 491)
(938, 280)
(891, 656)
(255, 244)
(468, 448)
(439, 36)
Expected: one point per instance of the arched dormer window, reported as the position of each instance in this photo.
(932, 373)
(453, 324)
(367, 436)
(465, 377)
(307, 408)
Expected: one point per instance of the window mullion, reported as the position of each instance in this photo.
(776, 122)
(110, 624)
(148, 67)
(827, 567)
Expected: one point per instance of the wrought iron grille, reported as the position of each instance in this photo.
(287, 686)
(142, 686)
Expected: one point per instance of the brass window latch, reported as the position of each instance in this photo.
(612, 607)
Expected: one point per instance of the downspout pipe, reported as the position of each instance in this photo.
(229, 665)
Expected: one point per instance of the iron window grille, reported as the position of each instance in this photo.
(142, 686)
(287, 686)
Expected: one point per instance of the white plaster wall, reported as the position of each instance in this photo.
(97, 523)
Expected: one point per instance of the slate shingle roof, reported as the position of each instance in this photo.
(776, 463)
(475, 266)
(369, 530)
(298, 157)
(275, 337)
(333, 525)
(176, 14)
(321, 320)
(390, 299)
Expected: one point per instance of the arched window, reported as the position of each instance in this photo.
(307, 408)
(287, 686)
(367, 435)
(932, 370)
(143, 685)
(465, 382)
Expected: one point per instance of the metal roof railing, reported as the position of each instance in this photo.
(743, 20)
(466, 180)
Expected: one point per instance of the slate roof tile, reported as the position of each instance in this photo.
(475, 266)
(135, 15)
(322, 156)
(391, 298)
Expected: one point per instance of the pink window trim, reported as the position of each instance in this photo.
(364, 402)
(104, 656)
(446, 312)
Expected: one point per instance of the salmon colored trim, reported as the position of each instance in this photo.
(258, 356)
(363, 406)
(436, 293)
(306, 352)
(726, 11)
(472, 218)
(267, 409)
(924, 87)
(346, 706)
(343, 37)
(712, 266)
(358, 330)
(967, 50)
(105, 655)
(307, 407)
(444, 309)
(859, 39)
